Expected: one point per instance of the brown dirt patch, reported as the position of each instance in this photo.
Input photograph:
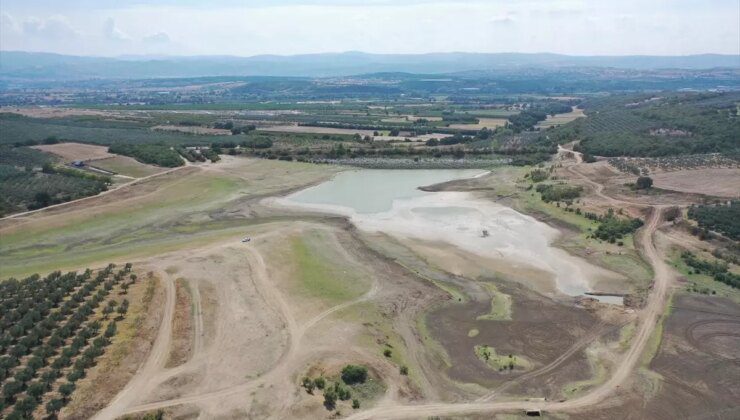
(76, 151)
(698, 363)
(540, 330)
(182, 325)
(719, 182)
(56, 112)
(124, 165)
(489, 123)
(125, 355)
(193, 130)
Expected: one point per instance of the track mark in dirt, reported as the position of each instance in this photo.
(700, 341)
(648, 318)
(155, 361)
(282, 370)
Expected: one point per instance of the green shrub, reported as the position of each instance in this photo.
(558, 192)
(353, 374)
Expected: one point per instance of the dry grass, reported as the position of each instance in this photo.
(124, 165)
(76, 151)
(719, 182)
(34, 112)
(193, 130)
(126, 353)
(490, 123)
(560, 119)
(182, 325)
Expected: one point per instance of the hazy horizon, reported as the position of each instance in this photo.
(164, 55)
(295, 27)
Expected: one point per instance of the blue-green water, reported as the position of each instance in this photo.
(373, 191)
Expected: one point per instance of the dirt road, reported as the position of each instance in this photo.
(288, 361)
(157, 356)
(154, 373)
(647, 321)
(92, 197)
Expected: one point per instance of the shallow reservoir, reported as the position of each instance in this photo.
(389, 201)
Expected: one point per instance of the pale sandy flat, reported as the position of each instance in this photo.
(47, 112)
(315, 130)
(124, 165)
(76, 151)
(720, 182)
(489, 123)
(193, 130)
(559, 119)
(330, 130)
(409, 118)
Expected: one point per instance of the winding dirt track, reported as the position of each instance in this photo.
(153, 372)
(593, 334)
(647, 320)
(155, 361)
(92, 197)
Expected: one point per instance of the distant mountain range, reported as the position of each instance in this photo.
(47, 66)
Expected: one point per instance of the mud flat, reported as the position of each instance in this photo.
(389, 201)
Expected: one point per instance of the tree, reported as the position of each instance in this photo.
(26, 406)
(42, 199)
(404, 370)
(123, 309)
(110, 331)
(157, 415)
(36, 389)
(11, 388)
(320, 382)
(355, 403)
(387, 353)
(343, 393)
(66, 389)
(54, 405)
(308, 384)
(330, 399)
(352, 374)
(644, 183)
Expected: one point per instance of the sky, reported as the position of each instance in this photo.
(246, 28)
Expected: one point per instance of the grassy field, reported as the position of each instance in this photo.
(560, 119)
(319, 274)
(599, 374)
(509, 182)
(701, 283)
(500, 305)
(124, 165)
(173, 211)
(500, 362)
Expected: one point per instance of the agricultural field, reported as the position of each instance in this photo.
(54, 329)
(489, 123)
(388, 245)
(560, 119)
(30, 180)
(69, 152)
(676, 124)
(126, 166)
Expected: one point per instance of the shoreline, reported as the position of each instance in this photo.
(456, 218)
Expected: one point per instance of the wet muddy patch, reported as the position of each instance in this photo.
(540, 330)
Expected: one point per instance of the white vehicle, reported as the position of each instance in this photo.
(245, 240)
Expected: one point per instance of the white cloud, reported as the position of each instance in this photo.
(583, 27)
(110, 31)
(55, 27)
(160, 38)
(502, 20)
